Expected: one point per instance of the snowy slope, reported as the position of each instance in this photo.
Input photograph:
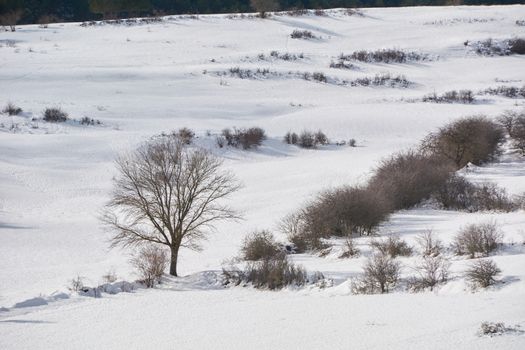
(146, 79)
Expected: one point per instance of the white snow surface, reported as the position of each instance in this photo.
(142, 80)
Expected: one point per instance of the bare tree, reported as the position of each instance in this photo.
(11, 18)
(263, 6)
(168, 194)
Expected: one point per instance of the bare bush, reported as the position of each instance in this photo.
(320, 77)
(518, 132)
(89, 121)
(186, 135)
(76, 284)
(387, 56)
(461, 96)
(380, 275)
(259, 245)
(352, 143)
(482, 238)
(482, 273)
(245, 138)
(344, 211)
(349, 249)
(493, 328)
(150, 263)
(432, 271)
(11, 109)
(407, 178)
(429, 244)
(460, 194)
(383, 79)
(291, 138)
(393, 246)
(271, 273)
(468, 140)
(55, 115)
(321, 138)
(302, 34)
(507, 119)
(520, 22)
(306, 139)
(507, 91)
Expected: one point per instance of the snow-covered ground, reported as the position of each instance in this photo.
(142, 80)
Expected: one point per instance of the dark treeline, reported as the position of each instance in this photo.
(35, 11)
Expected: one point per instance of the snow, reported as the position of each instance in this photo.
(142, 80)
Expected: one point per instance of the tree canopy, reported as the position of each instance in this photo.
(83, 10)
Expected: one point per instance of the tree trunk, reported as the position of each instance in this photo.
(173, 263)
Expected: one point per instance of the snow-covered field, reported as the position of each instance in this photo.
(142, 80)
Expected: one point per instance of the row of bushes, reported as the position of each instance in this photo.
(306, 139)
(403, 181)
(52, 115)
(491, 47)
(461, 96)
(267, 265)
(241, 138)
(385, 56)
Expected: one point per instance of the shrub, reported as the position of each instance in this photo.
(490, 47)
(150, 263)
(320, 138)
(55, 115)
(76, 284)
(352, 143)
(320, 77)
(461, 96)
(460, 194)
(89, 121)
(301, 237)
(186, 135)
(482, 273)
(259, 245)
(468, 140)
(349, 249)
(269, 273)
(520, 22)
(302, 34)
(380, 274)
(407, 178)
(344, 211)
(393, 246)
(476, 239)
(306, 139)
(245, 138)
(517, 46)
(291, 138)
(303, 234)
(492, 328)
(518, 132)
(11, 109)
(431, 271)
(507, 120)
(429, 244)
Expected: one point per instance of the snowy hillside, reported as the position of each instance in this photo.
(215, 72)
